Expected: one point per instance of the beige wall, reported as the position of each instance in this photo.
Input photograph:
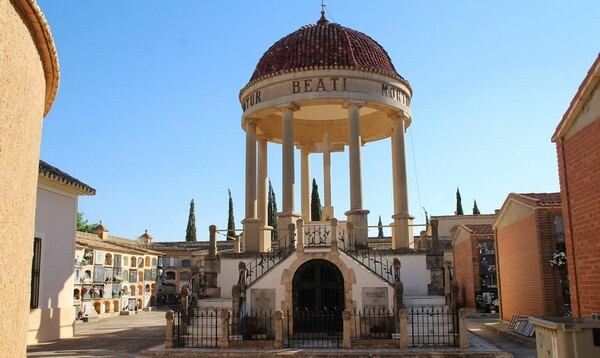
(22, 102)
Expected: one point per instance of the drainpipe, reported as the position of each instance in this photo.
(568, 197)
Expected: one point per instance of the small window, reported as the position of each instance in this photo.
(108, 260)
(125, 275)
(125, 261)
(186, 263)
(170, 275)
(154, 261)
(147, 263)
(88, 275)
(76, 294)
(140, 262)
(133, 261)
(35, 273)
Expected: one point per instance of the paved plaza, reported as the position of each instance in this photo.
(127, 336)
(119, 336)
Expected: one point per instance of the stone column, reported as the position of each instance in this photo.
(403, 328)
(305, 183)
(212, 247)
(357, 215)
(347, 329)
(251, 222)
(169, 330)
(278, 344)
(400, 226)
(288, 214)
(263, 182)
(223, 341)
(264, 234)
(327, 208)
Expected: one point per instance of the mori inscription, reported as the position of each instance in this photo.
(263, 299)
(374, 299)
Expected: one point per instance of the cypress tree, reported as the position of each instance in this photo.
(459, 208)
(315, 202)
(379, 229)
(272, 211)
(230, 219)
(190, 232)
(475, 208)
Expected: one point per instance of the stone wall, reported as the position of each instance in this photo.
(23, 101)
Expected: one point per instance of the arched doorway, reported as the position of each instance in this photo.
(318, 291)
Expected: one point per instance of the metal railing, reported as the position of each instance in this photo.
(432, 326)
(263, 262)
(195, 328)
(313, 329)
(317, 235)
(374, 324)
(372, 260)
(252, 326)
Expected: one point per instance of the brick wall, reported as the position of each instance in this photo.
(580, 190)
(464, 262)
(529, 284)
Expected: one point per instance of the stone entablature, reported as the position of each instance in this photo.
(332, 89)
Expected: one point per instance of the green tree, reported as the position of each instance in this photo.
(83, 224)
(459, 208)
(475, 208)
(315, 203)
(190, 232)
(379, 229)
(230, 219)
(272, 211)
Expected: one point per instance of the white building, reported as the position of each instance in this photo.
(52, 315)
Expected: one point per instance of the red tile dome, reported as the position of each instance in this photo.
(324, 45)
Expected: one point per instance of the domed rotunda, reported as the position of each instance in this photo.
(321, 88)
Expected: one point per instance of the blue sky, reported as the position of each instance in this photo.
(147, 111)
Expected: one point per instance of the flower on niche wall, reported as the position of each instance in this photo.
(559, 258)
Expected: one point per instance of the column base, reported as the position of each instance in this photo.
(283, 221)
(327, 213)
(401, 231)
(358, 217)
(255, 238)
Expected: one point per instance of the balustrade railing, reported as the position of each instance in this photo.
(263, 262)
(373, 260)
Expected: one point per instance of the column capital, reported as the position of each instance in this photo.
(400, 115)
(353, 103)
(250, 121)
(288, 107)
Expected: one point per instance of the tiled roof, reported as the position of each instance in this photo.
(113, 243)
(545, 199)
(480, 229)
(58, 175)
(325, 45)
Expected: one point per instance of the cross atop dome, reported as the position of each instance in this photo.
(323, 20)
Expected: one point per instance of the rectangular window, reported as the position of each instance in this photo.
(132, 276)
(596, 334)
(98, 273)
(34, 300)
(117, 260)
(147, 275)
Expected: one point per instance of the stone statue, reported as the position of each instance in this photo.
(398, 286)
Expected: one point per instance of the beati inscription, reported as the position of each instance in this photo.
(319, 85)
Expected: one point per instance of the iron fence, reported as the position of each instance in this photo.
(374, 324)
(317, 235)
(195, 328)
(432, 326)
(313, 329)
(263, 262)
(253, 326)
(374, 261)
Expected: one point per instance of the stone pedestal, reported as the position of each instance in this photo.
(358, 218)
(283, 222)
(255, 239)
(401, 232)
